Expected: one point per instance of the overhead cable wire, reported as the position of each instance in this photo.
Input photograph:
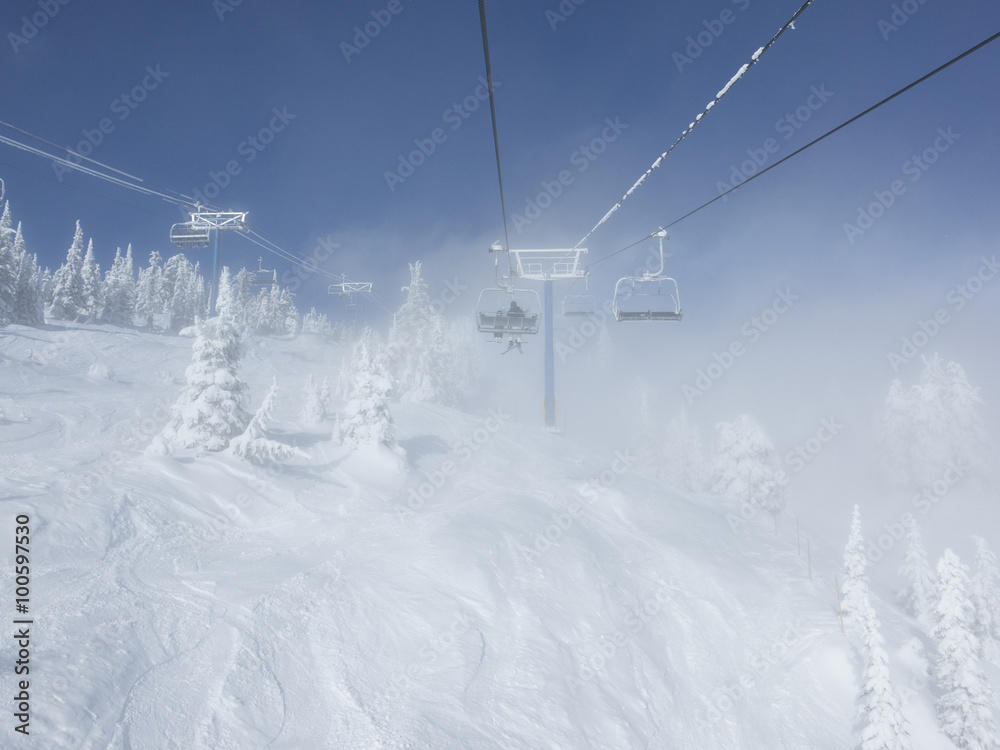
(812, 143)
(493, 116)
(790, 24)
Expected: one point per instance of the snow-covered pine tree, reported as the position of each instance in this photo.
(68, 300)
(241, 305)
(897, 451)
(312, 407)
(93, 301)
(986, 601)
(366, 419)
(465, 359)
(855, 562)
(745, 466)
(880, 716)
(286, 316)
(416, 352)
(147, 292)
(318, 323)
(186, 305)
(254, 445)
(966, 433)
(683, 458)
(326, 397)
(48, 287)
(964, 707)
(29, 299)
(224, 299)
(119, 290)
(919, 594)
(168, 280)
(8, 268)
(210, 410)
(931, 424)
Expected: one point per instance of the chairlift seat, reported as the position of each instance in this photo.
(188, 235)
(623, 315)
(631, 303)
(578, 306)
(493, 313)
(503, 322)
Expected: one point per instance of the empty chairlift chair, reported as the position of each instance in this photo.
(187, 234)
(262, 276)
(579, 305)
(651, 296)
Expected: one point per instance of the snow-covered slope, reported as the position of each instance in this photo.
(511, 590)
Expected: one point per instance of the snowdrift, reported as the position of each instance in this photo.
(507, 589)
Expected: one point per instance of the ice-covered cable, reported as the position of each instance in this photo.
(811, 143)
(725, 89)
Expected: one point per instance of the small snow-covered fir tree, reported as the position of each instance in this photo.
(147, 292)
(48, 285)
(241, 302)
(966, 433)
(417, 353)
(464, 359)
(919, 594)
(254, 445)
(68, 298)
(8, 268)
(964, 707)
(93, 300)
(745, 466)
(855, 562)
(168, 279)
(882, 724)
(119, 290)
(319, 323)
(29, 299)
(683, 458)
(326, 397)
(313, 411)
(225, 298)
(366, 419)
(188, 294)
(931, 424)
(986, 601)
(210, 410)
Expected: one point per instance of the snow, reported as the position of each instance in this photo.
(426, 597)
(734, 79)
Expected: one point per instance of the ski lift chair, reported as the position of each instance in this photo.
(651, 296)
(187, 234)
(509, 311)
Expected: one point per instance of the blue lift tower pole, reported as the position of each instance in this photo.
(549, 266)
(550, 361)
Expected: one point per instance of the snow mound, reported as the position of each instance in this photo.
(493, 586)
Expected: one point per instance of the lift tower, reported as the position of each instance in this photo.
(205, 228)
(549, 266)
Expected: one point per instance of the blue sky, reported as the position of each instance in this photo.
(223, 71)
(214, 75)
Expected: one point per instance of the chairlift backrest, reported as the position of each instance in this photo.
(186, 234)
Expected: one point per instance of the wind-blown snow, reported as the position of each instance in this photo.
(204, 603)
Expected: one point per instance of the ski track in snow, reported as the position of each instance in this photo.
(172, 613)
